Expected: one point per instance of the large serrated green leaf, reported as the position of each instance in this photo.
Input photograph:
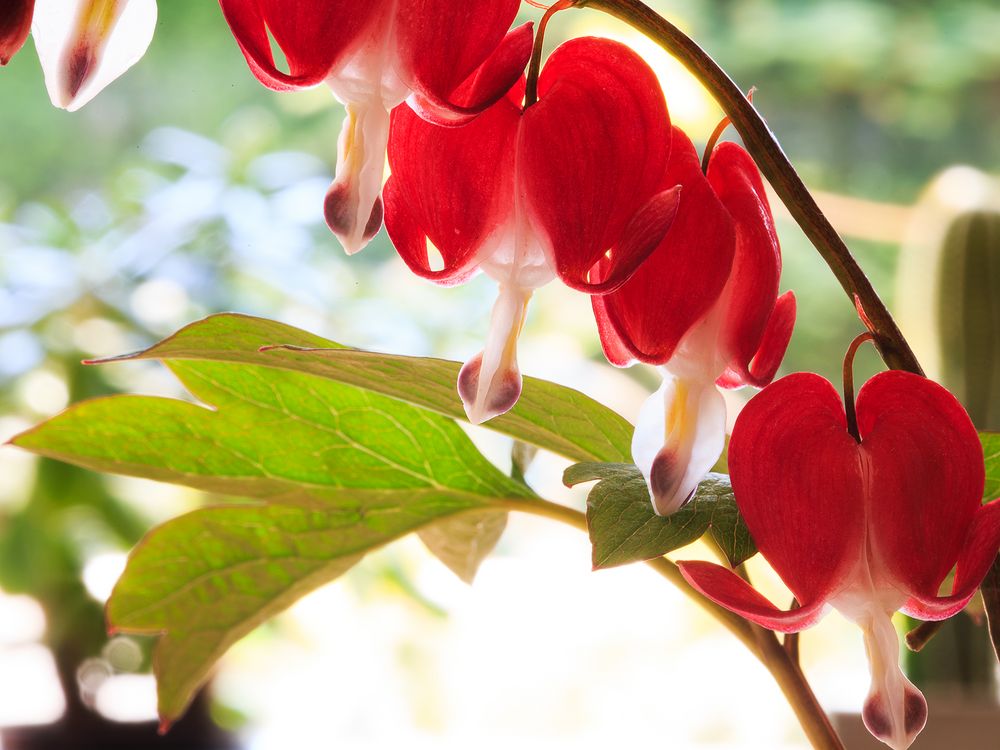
(991, 452)
(273, 434)
(334, 471)
(624, 529)
(206, 579)
(550, 416)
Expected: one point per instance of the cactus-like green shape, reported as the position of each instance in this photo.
(948, 304)
(969, 314)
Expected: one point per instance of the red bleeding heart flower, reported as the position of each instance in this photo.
(868, 525)
(83, 45)
(373, 55)
(704, 307)
(526, 194)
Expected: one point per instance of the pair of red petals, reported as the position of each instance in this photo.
(578, 174)
(530, 192)
(868, 527)
(721, 250)
(373, 55)
(319, 37)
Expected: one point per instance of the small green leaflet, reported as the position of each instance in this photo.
(462, 542)
(991, 452)
(551, 416)
(991, 585)
(624, 529)
(331, 471)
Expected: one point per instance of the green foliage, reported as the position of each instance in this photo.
(624, 529)
(991, 453)
(328, 455)
(549, 416)
(331, 470)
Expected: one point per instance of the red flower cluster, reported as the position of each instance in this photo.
(705, 308)
(571, 183)
(582, 184)
(867, 524)
(374, 55)
(579, 175)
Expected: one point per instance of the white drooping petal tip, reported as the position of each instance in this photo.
(353, 205)
(490, 382)
(895, 711)
(679, 435)
(83, 45)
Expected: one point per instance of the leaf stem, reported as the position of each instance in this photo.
(921, 635)
(848, 372)
(792, 681)
(761, 642)
(535, 64)
(775, 166)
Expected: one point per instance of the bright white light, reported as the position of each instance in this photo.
(159, 302)
(101, 573)
(99, 337)
(22, 620)
(690, 106)
(29, 687)
(127, 698)
(965, 188)
(43, 392)
(16, 467)
(157, 501)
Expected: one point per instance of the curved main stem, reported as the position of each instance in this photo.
(775, 166)
(761, 642)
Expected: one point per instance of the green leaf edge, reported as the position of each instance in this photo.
(610, 443)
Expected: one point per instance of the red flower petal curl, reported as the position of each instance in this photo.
(680, 282)
(468, 39)
(926, 465)
(798, 481)
(979, 550)
(443, 191)
(724, 587)
(767, 360)
(593, 151)
(314, 36)
(756, 267)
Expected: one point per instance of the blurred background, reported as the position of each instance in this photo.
(187, 188)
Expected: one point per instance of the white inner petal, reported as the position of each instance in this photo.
(895, 710)
(114, 33)
(679, 435)
(367, 84)
(490, 383)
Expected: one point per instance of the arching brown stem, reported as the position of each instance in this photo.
(775, 166)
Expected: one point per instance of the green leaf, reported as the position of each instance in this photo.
(275, 435)
(991, 452)
(462, 542)
(334, 471)
(550, 416)
(206, 579)
(624, 529)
